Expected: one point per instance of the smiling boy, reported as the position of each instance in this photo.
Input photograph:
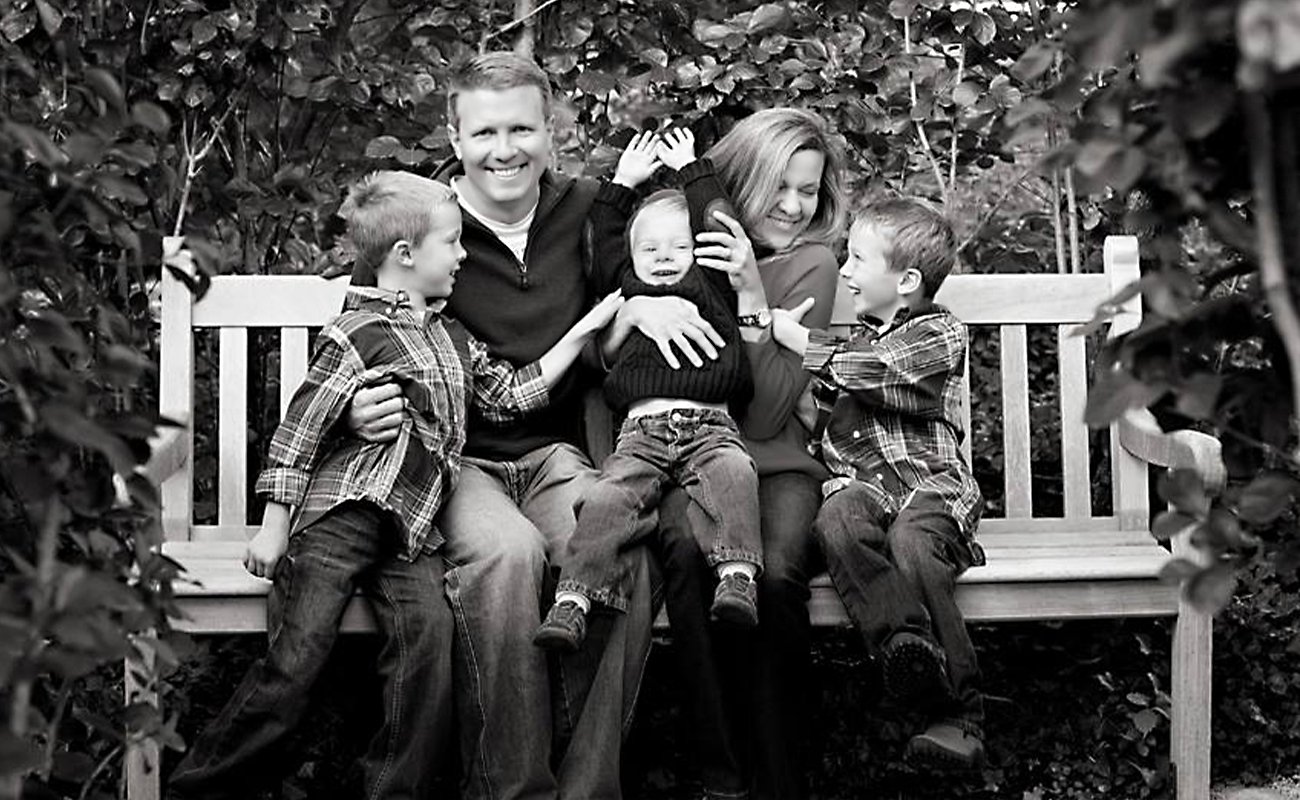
(898, 521)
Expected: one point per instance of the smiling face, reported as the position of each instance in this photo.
(791, 209)
(662, 247)
(503, 138)
(877, 289)
(436, 258)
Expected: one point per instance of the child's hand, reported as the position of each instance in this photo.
(788, 329)
(639, 161)
(600, 314)
(266, 548)
(677, 148)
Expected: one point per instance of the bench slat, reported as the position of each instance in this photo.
(1015, 421)
(293, 364)
(232, 428)
(1075, 461)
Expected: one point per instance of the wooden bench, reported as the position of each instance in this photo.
(1083, 563)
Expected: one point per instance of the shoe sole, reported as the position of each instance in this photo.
(924, 753)
(734, 614)
(550, 640)
(914, 674)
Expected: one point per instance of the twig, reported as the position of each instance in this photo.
(1272, 264)
(1072, 217)
(956, 116)
(194, 160)
(993, 209)
(920, 124)
(521, 20)
(102, 765)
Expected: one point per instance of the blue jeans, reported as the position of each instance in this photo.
(505, 523)
(351, 547)
(698, 450)
(900, 574)
(746, 695)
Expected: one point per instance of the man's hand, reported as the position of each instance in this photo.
(788, 329)
(672, 322)
(639, 161)
(376, 412)
(677, 148)
(266, 548)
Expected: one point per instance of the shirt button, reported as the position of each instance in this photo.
(675, 416)
(857, 434)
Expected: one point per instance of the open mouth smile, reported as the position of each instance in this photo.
(506, 173)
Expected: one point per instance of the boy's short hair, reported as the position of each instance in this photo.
(385, 207)
(673, 199)
(920, 238)
(497, 71)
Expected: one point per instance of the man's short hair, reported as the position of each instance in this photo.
(919, 236)
(673, 199)
(385, 207)
(497, 71)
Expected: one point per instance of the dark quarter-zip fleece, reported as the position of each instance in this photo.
(520, 310)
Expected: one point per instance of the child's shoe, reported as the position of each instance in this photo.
(945, 745)
(915, 670)
(563, 629)
(735, 601)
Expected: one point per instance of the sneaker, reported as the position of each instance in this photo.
(735, 601)
(563, 629)
(915, 671)
(945, 746)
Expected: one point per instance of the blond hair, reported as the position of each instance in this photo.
(751, 160)
(498, 71)
(919, 237)
(384, 208)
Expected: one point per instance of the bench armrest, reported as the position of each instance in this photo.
(169, 453)
(1140, 434)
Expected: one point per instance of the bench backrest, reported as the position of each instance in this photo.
(1014, 307)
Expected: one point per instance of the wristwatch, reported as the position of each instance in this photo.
(761, 318)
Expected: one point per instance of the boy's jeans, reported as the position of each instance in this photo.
(697, 449)
(349, 547)
(503, 524)
(900, 574)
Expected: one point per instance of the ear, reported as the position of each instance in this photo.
(909, 281)
(401, 251)
(455, 140)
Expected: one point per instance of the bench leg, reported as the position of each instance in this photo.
(141, 766)
(1190, 748)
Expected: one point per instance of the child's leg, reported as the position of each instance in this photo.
(313, 583)
(851, 530)
(928, 549)
(415, 741)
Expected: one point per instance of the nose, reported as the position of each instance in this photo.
(845, 272)
(788, 202)
(503, 146)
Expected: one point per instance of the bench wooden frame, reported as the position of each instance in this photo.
(1078, 566)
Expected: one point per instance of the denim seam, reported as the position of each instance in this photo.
(395, 711)
(604, 596)
(462, 631)
(720, 554)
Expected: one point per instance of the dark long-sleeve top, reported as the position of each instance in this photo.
(441, 368)
(640, 371)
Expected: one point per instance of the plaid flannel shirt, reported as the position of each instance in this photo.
(889, 408)
(315, 465)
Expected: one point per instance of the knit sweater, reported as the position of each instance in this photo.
(519, 310)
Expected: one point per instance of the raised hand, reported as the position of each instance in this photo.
(729, 251)
(677, 147)
(639, 161)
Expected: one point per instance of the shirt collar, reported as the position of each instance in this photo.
(373, 298)
(902, 315)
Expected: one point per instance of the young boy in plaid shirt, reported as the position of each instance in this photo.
(899, 513)
(362, 514)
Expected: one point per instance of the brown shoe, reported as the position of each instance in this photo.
(915, 671)
(735, 601)
(945, 746)
(563, 629)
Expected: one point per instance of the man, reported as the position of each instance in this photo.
(527, 278)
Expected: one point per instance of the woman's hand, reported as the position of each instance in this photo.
(375, 413)
(731, 252)
(600, 315)
(677, 148)
(639, 161)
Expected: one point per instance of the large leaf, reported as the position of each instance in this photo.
(1266, 497)
(1184, 490)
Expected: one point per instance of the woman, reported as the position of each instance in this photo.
(746, 693)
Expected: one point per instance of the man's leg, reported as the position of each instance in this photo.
(313, 583)
(596, 687)
(788, 504)
(496, 557)
(412, 747)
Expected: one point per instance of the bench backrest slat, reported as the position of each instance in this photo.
(1017, 476)
(1075, 461)
(232, 428)
(1013, 309)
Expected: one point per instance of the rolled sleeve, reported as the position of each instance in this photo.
(822, 347)
(286, 485)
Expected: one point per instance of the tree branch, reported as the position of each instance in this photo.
(920, 124)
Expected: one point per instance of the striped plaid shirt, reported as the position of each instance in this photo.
(890, 403)
(314, 465)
